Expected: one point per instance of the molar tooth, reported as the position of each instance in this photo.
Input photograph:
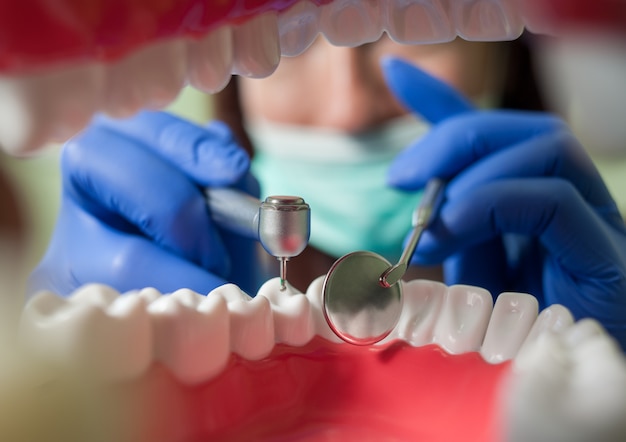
(191, 334)
(257, 47)
(463, 320)
(210, 60)
(100, 336)
(251, 322)
(315, 297)
(596, 355)
(513, 316)
(583, 331)
(422, 303)
(418, 21)
(151, 77)
(293, 321)
(298, 28)
(568, 386)
(351, 22)
(54, 105)
(486, 20)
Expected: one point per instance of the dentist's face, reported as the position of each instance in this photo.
(343, 88)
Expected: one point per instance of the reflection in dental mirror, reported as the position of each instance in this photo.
(357, 307)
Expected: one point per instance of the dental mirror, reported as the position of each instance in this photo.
(356, 306)
(362, 294)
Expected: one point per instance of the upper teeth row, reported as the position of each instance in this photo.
(55, 105)
(117, 337)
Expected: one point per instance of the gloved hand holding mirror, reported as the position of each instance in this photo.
(362, 292)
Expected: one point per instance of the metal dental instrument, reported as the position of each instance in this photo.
(421, 219)
(281, 223)
(362, 300)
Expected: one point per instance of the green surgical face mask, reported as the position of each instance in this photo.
(342, 178)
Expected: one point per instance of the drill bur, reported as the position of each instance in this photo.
(283, 272)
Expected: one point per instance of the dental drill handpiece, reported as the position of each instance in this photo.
(281, 223)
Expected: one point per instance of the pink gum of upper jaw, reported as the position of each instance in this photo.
(35, 34)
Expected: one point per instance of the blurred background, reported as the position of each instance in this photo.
(583, 79)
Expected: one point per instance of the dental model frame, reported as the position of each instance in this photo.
(144, 366)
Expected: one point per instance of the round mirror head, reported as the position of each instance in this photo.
(356, 306)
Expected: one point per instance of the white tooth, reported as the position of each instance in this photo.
(38, 108)
(570, 386)
(583, 331)
(315, 297)
(99, 295)
(150, 294)
(463, 319)
(487, 20)
(418, 21)
(351, 22)
(298, 28)
(293, 317)
(191, 334)
(422, 303)
(150, 77)
(251, 322)
(257, 46)
(19, 132)
(106, 338)
(596, 355)
(513, 316)
(555, 318)
(210, 60)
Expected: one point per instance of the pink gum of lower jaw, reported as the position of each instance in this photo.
(326, 391)
(104, 30)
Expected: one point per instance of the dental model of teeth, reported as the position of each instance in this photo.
(93, 72)
(231, 367)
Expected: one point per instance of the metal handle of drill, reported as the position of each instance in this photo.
(281, 223)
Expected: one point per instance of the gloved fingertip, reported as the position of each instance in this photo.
(229, 163)
(391, 178)
(402, 177)
(401, 183)
(221, 131)
(390, 62)
(422, 92)
(395, 70)
(106, 120)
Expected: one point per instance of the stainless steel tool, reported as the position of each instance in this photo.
(281, 223)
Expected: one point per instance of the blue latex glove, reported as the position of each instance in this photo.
(525, 208)
(133, 214)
